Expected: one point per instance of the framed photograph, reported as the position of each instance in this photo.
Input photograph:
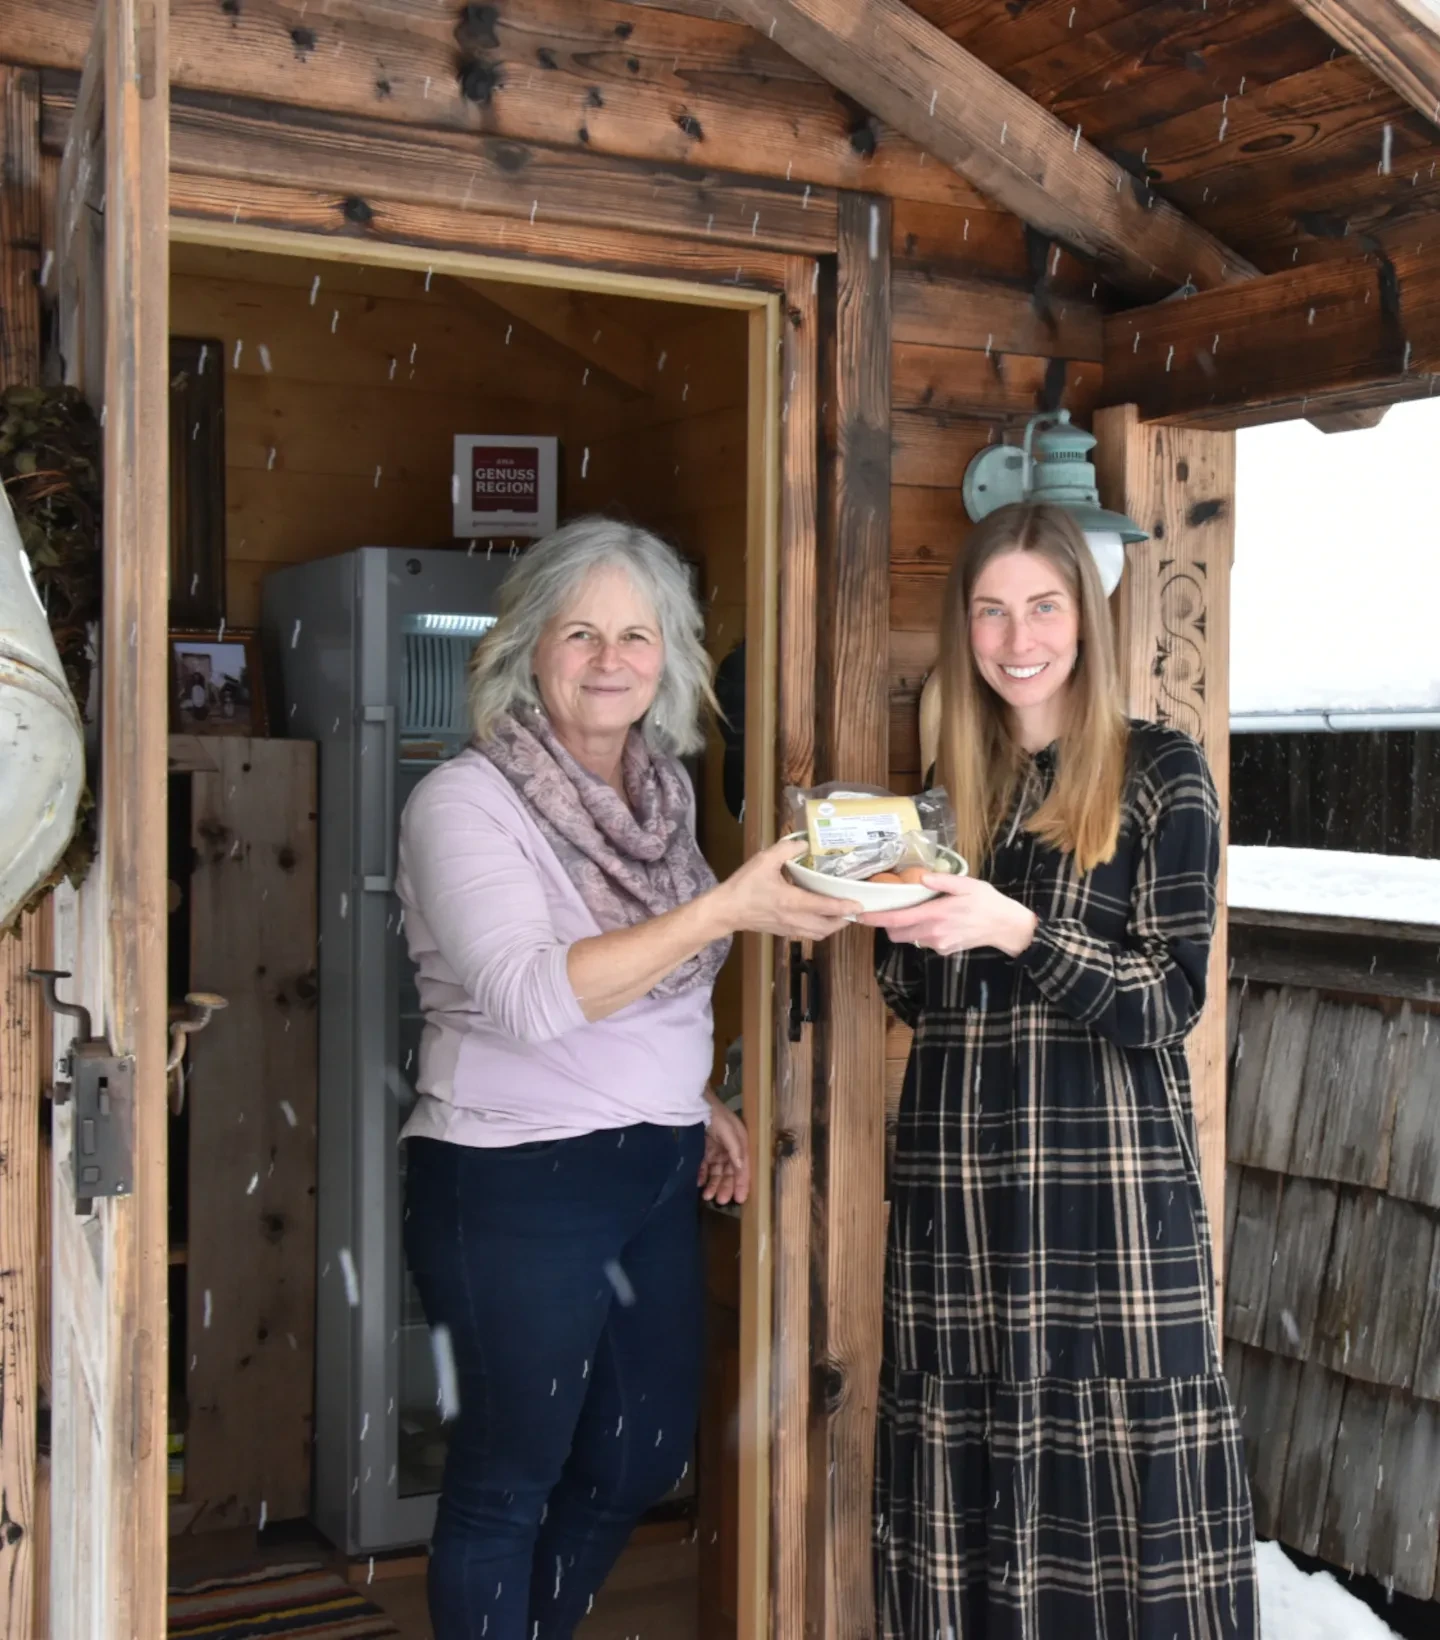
(216, 683)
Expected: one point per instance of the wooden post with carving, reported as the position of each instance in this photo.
(1174, 634)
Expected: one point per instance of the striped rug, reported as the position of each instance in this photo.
(305, 1602)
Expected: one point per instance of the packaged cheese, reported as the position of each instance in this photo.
(844, 821)
(856, 831)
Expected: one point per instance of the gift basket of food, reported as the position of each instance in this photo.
(870, 846)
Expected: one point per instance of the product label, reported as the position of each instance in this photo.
(839, 833)
(505, 480)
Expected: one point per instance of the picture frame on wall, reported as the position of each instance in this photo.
(216, 683)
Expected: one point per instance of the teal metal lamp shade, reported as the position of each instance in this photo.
(1053, 465)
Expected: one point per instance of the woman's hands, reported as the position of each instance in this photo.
(760, 899)
(965, 914)
(725, 1168)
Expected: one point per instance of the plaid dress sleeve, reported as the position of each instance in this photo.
(1147, 990)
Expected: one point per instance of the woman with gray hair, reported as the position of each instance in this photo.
(567, 932)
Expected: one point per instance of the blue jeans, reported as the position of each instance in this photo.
(568, 1274)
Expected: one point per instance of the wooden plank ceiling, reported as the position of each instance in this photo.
(1247, 116)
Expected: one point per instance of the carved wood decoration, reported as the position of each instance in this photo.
(1174, 634)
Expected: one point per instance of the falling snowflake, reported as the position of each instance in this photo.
(352, 1280)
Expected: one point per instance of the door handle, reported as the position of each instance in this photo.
(383, 881)
(804, 991)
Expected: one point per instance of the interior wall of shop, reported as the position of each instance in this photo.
(344, 386)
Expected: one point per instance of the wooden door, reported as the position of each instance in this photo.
(109, 1284)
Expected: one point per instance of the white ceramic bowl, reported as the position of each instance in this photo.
(870, 896)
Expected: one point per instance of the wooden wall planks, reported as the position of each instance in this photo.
(320, 356)
(1333, 1297)
(610, 77)
(252, 1101)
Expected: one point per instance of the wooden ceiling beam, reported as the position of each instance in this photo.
(924, 85)
(1315, 341)
(1399, 39)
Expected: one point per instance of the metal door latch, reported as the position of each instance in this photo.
(804, 991)
(101, 1086)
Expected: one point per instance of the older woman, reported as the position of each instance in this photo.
(568, 933)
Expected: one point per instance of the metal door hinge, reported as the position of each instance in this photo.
(804, 991)
(100, 1085)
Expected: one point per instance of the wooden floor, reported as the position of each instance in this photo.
(652, 1592)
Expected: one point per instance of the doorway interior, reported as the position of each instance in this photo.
(314, 404)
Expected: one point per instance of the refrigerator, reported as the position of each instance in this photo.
(366, 654)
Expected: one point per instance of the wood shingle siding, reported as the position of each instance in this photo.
(1332, 1315)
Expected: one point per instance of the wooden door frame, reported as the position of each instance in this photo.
(109, 1267)
(769, 430)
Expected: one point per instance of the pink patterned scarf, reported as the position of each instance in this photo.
(629, 862)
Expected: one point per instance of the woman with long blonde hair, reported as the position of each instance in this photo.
(1057, 1451)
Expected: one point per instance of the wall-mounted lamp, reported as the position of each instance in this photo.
(1053, 464)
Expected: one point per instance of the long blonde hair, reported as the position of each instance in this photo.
(980, 761)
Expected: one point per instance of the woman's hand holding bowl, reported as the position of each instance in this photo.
(760, 899)
(964, 915)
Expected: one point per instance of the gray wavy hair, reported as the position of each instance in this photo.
(544, 581)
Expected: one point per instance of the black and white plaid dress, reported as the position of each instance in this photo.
(1057, 1453)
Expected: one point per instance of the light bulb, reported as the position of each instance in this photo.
(1108, 551)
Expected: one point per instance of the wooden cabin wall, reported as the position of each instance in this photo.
(991, 323)
(342, 398)
(1332, 1206)
(1373, 793)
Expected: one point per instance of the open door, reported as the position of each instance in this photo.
(107, 1574)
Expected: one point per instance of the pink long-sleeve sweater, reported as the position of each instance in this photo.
(507, 1056)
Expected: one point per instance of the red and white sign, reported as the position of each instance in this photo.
(505, 485)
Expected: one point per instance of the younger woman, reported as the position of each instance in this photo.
(1057, 1451)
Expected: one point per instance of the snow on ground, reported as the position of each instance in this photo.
(1330, 883)
(1296, 1605)
(1337, 566)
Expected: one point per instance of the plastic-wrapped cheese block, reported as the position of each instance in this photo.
(838, 823)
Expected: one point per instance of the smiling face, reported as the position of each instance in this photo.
(1025, 635)
(598, 663)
